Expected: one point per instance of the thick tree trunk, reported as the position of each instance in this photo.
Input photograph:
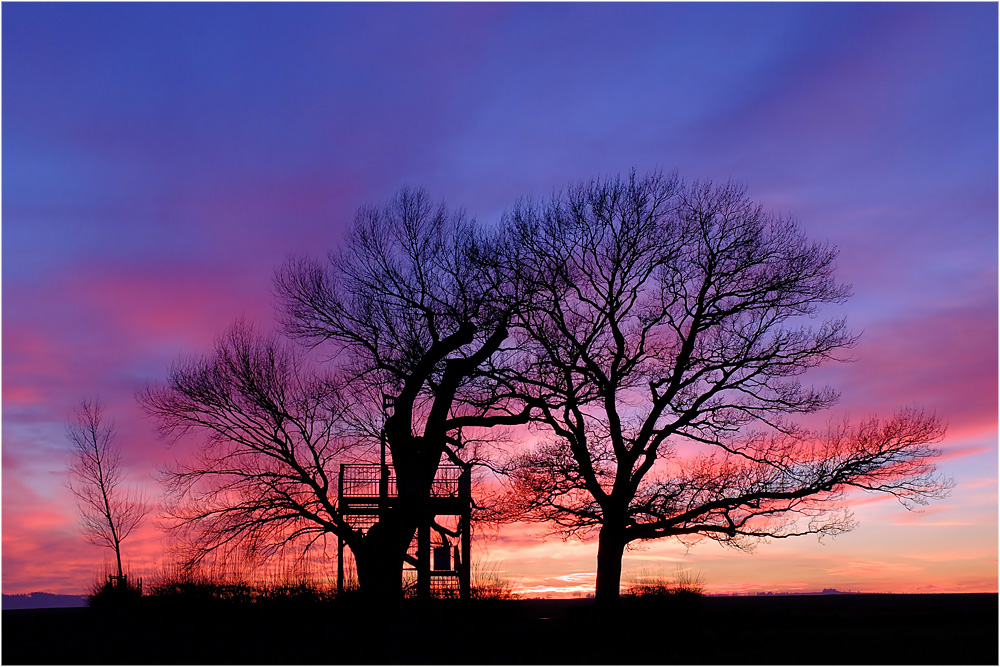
(381, 554)
(380, 566)
(381, 579)
(610, 549)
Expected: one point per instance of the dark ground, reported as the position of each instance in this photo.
(837, 629)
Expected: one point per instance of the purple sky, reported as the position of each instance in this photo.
(160, 160)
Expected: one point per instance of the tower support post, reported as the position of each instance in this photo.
(340, 540)
(424, 557)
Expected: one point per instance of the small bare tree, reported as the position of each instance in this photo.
(109, 511)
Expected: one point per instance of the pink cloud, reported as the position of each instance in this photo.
(918, 518)
(189, 305)
(959, 452)
(869, 567)
(983, 482)
(944, 361)
(22, 395)
(954, 555)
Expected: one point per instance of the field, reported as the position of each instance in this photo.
(840, 629)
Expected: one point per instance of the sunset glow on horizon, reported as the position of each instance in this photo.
(161, 160)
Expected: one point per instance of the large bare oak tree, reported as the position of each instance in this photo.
(671, 316)
(415, 306)
(406, 313)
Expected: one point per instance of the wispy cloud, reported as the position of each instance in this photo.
(867, 567)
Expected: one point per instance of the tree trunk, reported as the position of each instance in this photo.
(118, 557)
(380, 575)
(381, 557)
(610, 549)
(381, 554)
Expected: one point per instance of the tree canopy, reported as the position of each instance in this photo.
(667, 316)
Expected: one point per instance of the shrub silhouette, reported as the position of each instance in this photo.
(114, 592)
(684, 583)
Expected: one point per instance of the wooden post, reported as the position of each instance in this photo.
(424, 557)
(465, 528)
(383, 479)
(340, 540)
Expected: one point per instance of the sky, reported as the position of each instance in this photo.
(159, 161)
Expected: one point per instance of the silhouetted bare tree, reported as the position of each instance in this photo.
(266, 474)
(416, 305)
(668, 314)
(109, 511)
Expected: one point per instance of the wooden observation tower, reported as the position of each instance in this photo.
(441, 549)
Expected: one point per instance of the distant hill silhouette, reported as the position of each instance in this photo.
(39, 600)
(825, 591)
